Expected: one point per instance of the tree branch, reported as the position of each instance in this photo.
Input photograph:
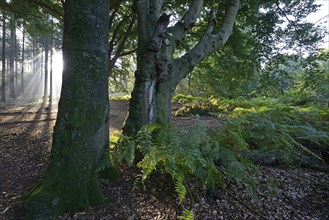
(180, 29)
(127, 52)
(159, 32)
(209, 42)
(60, 14)
(285, 15)
(122, 44)
(114, 36)
(112, 16)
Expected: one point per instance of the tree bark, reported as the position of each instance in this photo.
(158, 72)
(3, 78)
(81, 132)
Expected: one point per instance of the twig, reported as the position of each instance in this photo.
(7, 135)
(244, 204)
(6, 209)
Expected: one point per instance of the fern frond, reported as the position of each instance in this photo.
(180, 189)
(104, 163)
(187, 215)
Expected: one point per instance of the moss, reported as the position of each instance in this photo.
(53, 198)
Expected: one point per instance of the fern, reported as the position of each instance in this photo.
(186, 154)
(187, 215)
(180, 188)
(104, 163)
(124, 150)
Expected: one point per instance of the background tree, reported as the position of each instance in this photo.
(36, 28)
(12, 56)
(316, 77)
(3, 59)
(81, 130)
(229, 73)
(122, 45)
(23, 59)
(122, 29)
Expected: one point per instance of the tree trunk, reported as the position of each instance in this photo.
(12, 92)
(16, 65)
(3, 78)
(34, 67)
(81, 132)
(158, 71)
(45, 90)
(23, 59)
(51, 64)
(151, 98)
(41, 74)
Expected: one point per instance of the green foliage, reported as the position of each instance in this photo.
(187, 215)
(191, 153)
(181, 98)
(254, 60)
(304, 78)
(213, 106)
(126, 151)
(316, 77)
(273, 130)
(105, 162)
(105, 168)
(285, 124)
(120, 97)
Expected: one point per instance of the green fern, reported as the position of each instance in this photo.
(104, 163)
(184, 154)
(180, 188)
(187, 215)
(105, 168)
(124, 150)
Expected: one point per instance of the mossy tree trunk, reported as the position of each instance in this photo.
(82, 127)
(158, 71)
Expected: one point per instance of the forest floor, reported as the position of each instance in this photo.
(25, 142)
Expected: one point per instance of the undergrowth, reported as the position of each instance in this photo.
(120, 97)
(219, 156)
(268, 124)
(191, 153)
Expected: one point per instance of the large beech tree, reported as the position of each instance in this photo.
(158, 71)
(175, 36)
(82, 127)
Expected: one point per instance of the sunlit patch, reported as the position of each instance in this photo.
(57, 73)
(34, 78)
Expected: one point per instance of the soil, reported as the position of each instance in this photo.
(25, 143)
